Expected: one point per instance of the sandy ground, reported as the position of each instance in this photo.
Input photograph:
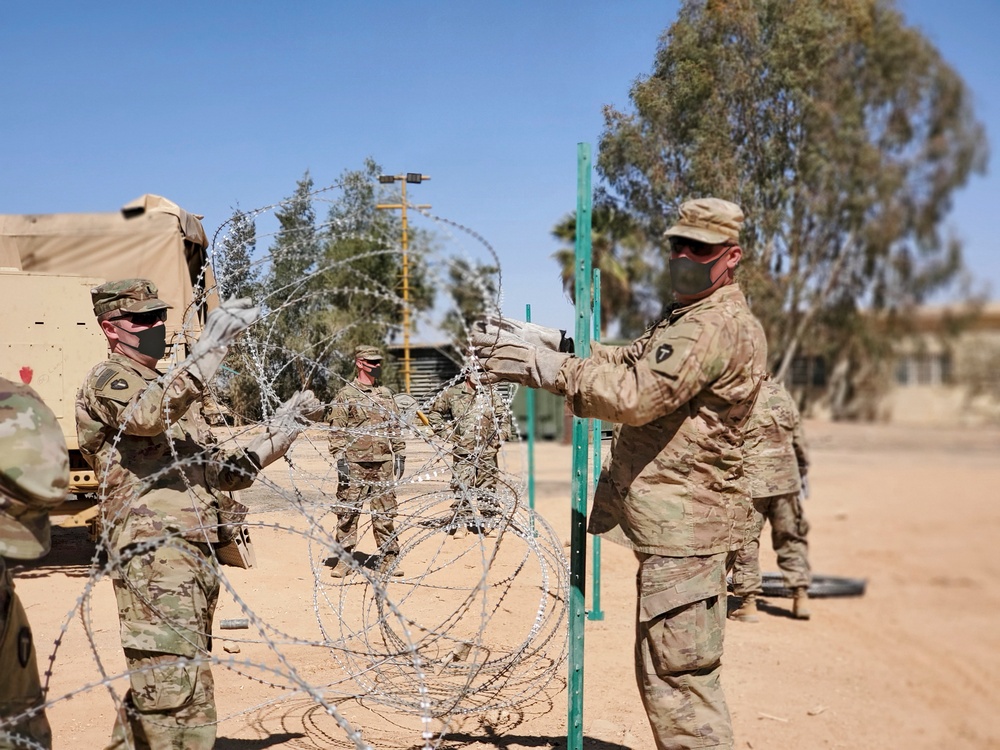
(914, 663)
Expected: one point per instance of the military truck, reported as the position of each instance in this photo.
(48, 265)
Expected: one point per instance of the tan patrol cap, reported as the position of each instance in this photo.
(130, 295)
(367, 352)
(710, 220)
(34, 471)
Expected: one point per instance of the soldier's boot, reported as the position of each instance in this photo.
(747, 611)
(800, 604)
(342, 569)
(387, 566)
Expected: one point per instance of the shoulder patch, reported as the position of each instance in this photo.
(663, 352)
(119, 385)
(102, 380)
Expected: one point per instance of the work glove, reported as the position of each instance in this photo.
(224, 324)
(280, 432)
(398, 464)
(343, 470)
(553, 339)
(805, 487)
(509, 358)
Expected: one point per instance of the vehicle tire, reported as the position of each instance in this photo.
(821, 586)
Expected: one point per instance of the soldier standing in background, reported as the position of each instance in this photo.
(34, 478)
(674, 489)
(369, 449)
(161, 483)
(474, 417)
(776, 464)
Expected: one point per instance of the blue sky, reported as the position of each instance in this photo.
(224, 104)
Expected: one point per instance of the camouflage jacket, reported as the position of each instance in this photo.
(681, 392)
(153, 455)
(472, 419)
(365, 423)
(775, 457)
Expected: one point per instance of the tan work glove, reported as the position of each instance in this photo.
(288, 421)
(224, 324)
(509, 358)
(553, 339)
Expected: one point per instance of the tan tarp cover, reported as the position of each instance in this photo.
(145, 239)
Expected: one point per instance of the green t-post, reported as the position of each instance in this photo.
(581, 475)
(596, 613)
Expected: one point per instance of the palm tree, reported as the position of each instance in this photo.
(621, 252)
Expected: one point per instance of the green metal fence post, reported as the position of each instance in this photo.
(595, 612)
(581, 484)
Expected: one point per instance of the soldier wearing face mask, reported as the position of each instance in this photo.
(674, 489)
(163, 483)
(366, 440)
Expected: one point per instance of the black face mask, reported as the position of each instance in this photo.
(376, 372)
(152, 342)
(689, 277)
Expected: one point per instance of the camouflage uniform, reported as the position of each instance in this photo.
(366, 431)
(776, 462)
(674, 491)
(161, 483)
(34, 478)
(476, 421)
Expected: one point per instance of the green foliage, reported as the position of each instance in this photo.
(628, 269)
(328, 287)
(473, 288)
(839, 130)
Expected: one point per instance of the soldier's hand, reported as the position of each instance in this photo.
(509, 358)
(228, 321)
(298, 411)
(553, 339)
(224, 324)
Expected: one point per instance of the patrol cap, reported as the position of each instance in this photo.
(130, 295)
(367, 352)
(710, 220)
(34, 471)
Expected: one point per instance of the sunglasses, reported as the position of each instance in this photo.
(698, 249)
(145, 318)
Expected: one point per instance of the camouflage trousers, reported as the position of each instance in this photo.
(474, 480)
(20, 689)
(789, 529)
(371, 481)
(166, 602)
(680, 623)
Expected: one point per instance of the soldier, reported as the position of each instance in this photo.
(474, 417)
(161, 484)
(34, 478)
(369, 449)
(776, 464)
(674, 490)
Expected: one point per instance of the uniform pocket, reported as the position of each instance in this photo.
(686, 639)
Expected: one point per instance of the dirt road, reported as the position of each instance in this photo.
(915, 663)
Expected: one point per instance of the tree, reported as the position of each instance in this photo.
(839, 130)
(473, 288)
(237, 276)
(362, 270)
(628, 272)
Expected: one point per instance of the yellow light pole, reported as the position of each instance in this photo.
(414, 178)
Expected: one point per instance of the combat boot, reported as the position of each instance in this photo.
(387, 566)
(800, 604)
(340, 570)
(747, 611)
